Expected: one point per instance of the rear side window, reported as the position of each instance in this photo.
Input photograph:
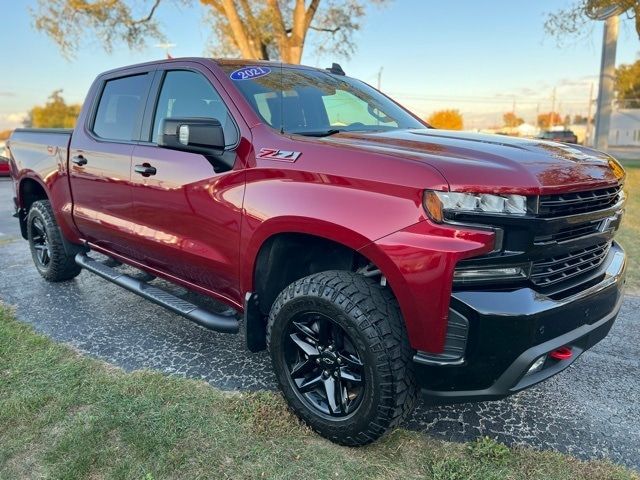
(187, 94)
(120, 107)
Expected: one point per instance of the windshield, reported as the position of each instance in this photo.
(297, 100)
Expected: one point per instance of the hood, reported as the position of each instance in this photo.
(494, 163)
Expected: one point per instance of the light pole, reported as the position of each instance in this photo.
(607, 73)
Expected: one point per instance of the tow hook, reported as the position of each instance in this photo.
(562, 353)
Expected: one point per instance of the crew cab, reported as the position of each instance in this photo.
(374, 256)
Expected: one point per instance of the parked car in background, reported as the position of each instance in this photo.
(564, 136)
(4, 167)
(373, 256)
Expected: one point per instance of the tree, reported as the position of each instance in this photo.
(54, 114)
(575, 19)
(579, 119)
(510, 119)
(256, 29)
(628, 85)
(446, 119)
(546, 120)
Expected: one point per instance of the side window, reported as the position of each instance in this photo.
(119, 107)
(189, 94)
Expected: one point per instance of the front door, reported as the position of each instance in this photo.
(100, 163)
(188, 211)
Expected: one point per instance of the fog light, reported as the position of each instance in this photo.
(469, 275)
(537, 365)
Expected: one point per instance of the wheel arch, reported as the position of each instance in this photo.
(304, 250)
(30, 189)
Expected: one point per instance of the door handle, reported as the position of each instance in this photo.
(79, 160)
(145, 170)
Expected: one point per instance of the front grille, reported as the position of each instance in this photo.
(550, 271)
(569, 233)
(578, 202)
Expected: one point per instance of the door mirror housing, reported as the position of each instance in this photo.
(197, 135)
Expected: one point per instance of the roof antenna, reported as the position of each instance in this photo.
(281, 101)
(336, 69)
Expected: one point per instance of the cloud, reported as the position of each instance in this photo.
(11, 120)
(7, 94)
(13, 117)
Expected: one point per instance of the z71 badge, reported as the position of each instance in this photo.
(282, 155)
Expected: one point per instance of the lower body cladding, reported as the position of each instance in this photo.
(501, 342)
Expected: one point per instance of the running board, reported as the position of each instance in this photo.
(212, 321)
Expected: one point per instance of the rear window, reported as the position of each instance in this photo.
(120, 107)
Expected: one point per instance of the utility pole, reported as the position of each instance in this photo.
(553, 108)
(560, 113)
(380, 78)
(607, 80)
(587, 133)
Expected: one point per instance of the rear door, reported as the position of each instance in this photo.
(188, 212)
(100, 162)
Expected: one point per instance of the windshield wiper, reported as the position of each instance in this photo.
(318, 133)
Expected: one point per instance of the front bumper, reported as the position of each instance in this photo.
(509, 330)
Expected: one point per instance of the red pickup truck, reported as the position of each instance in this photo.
(375, 257)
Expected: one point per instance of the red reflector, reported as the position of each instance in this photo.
(562, 353)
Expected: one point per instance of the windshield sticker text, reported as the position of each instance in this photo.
(248, 73)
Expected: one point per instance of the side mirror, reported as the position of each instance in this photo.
(198, 135)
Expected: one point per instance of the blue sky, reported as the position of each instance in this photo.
(478, 58)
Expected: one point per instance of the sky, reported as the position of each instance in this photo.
(477, 57)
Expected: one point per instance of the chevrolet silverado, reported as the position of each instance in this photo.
(374, 256)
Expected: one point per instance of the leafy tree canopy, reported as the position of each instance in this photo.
(510, 119)
(549, 119)
(628, 85)
(54, 114)
(576, 18)
(257, 29)
(446, 119)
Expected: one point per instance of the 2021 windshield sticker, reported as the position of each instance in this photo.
(248, 73)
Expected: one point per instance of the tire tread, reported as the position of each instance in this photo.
(377, 314)
(62, 267)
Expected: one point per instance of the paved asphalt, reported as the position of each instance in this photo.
(591, 410)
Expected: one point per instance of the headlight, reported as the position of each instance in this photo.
(436, 203)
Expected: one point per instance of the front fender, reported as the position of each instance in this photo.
(418, 263)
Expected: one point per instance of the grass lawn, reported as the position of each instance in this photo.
(67, 416)
(629, 235)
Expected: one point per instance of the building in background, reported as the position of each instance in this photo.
(625, 128)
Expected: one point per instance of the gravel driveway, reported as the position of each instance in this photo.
(591, 410)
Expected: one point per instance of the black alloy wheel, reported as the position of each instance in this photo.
(40, 242)
(324, 365)
(341, 356)
(53, 259)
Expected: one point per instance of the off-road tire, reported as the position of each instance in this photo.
(60, 266)
(370, 315)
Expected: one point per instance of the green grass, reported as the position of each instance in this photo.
(63, 415)
(629, 234)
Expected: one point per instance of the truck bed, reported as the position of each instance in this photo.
(40, 149)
